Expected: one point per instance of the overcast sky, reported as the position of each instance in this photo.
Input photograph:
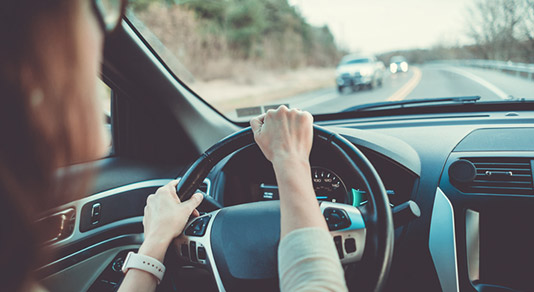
(377, 26)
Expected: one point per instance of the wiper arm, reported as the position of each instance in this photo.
(404, 103)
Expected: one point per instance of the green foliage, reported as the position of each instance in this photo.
(213, 10)
(139, 5)
(245, 23)
(266, 30)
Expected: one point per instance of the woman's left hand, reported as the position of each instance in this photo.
(165, 218)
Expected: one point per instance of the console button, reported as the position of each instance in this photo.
(350, 245)
(198, 226)
(339, 245)
(336, 218)
(117, 264)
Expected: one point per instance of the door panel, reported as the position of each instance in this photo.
(81, 276)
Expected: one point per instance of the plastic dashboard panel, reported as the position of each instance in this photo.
(502, 251)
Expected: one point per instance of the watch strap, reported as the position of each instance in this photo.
(144, 263)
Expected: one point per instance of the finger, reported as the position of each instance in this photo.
(283, 108)
(195, 213)
(193, 202)
(173, 183)
(150, 198)
(256, 123)
(171, 187)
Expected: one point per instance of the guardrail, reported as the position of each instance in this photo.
(518, 69)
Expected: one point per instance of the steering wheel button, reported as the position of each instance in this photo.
(198, 226)
(350, 245)
(201, 253)
(336, 218)
(193, 249)
(339, 246)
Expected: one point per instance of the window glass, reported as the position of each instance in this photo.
(330, 56)
(104, 96)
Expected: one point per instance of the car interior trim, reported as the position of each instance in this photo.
(388, 146)
(194, 108)
(472, 230)
(80, 276)
(88, 252)
(77, 205)
(442, 243)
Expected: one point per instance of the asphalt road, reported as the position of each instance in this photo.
(427, 81)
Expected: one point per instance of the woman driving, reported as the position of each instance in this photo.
(50, 118)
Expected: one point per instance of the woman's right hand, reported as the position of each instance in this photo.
(284, 134)
(165, 218)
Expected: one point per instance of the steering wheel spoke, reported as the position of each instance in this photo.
(347, 227)
(194, 248)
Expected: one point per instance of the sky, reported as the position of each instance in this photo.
(378, 26)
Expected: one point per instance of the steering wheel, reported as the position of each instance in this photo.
(239, 244)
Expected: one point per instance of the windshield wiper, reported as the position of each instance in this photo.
(411, 102)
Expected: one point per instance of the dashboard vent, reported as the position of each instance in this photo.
(498, 175)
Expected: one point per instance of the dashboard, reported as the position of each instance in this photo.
(470, 235)
(249, 177)
(473, 230)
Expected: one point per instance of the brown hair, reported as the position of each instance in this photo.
(43, 122)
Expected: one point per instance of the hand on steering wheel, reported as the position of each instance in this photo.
(165, 218)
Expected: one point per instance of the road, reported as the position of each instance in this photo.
(426, 81)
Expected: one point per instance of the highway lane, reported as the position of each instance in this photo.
(427, 81)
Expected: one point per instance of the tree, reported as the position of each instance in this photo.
(495, 27)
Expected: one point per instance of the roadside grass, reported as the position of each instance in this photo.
(263, 88)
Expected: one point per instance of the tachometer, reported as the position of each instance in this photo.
(328, 186)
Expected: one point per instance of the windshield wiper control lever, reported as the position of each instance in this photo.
(405, 213)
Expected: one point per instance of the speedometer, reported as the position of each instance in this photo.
(328, 186)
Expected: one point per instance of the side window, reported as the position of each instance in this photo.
(105, 93)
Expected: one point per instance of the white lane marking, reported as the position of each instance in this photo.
(496, 90)
(408, 87)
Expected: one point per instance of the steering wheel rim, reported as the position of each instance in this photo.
(377, 212)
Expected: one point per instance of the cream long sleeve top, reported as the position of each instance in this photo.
(308, 261)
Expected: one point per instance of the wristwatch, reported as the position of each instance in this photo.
(144, 263)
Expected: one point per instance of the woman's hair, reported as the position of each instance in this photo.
(43, 122)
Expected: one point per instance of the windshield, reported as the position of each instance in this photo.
(397, 59)
(355, 61)
(246, 56)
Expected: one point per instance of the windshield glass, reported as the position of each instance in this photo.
(246, 56)
(355, 61)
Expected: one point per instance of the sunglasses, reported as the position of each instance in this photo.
(109, 13)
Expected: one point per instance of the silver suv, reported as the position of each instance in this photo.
(356, 71)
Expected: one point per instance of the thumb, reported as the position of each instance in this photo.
(193, 202)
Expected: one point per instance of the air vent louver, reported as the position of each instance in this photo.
(499, 175)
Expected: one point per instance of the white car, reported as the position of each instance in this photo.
(356, 71)
(398, 64)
